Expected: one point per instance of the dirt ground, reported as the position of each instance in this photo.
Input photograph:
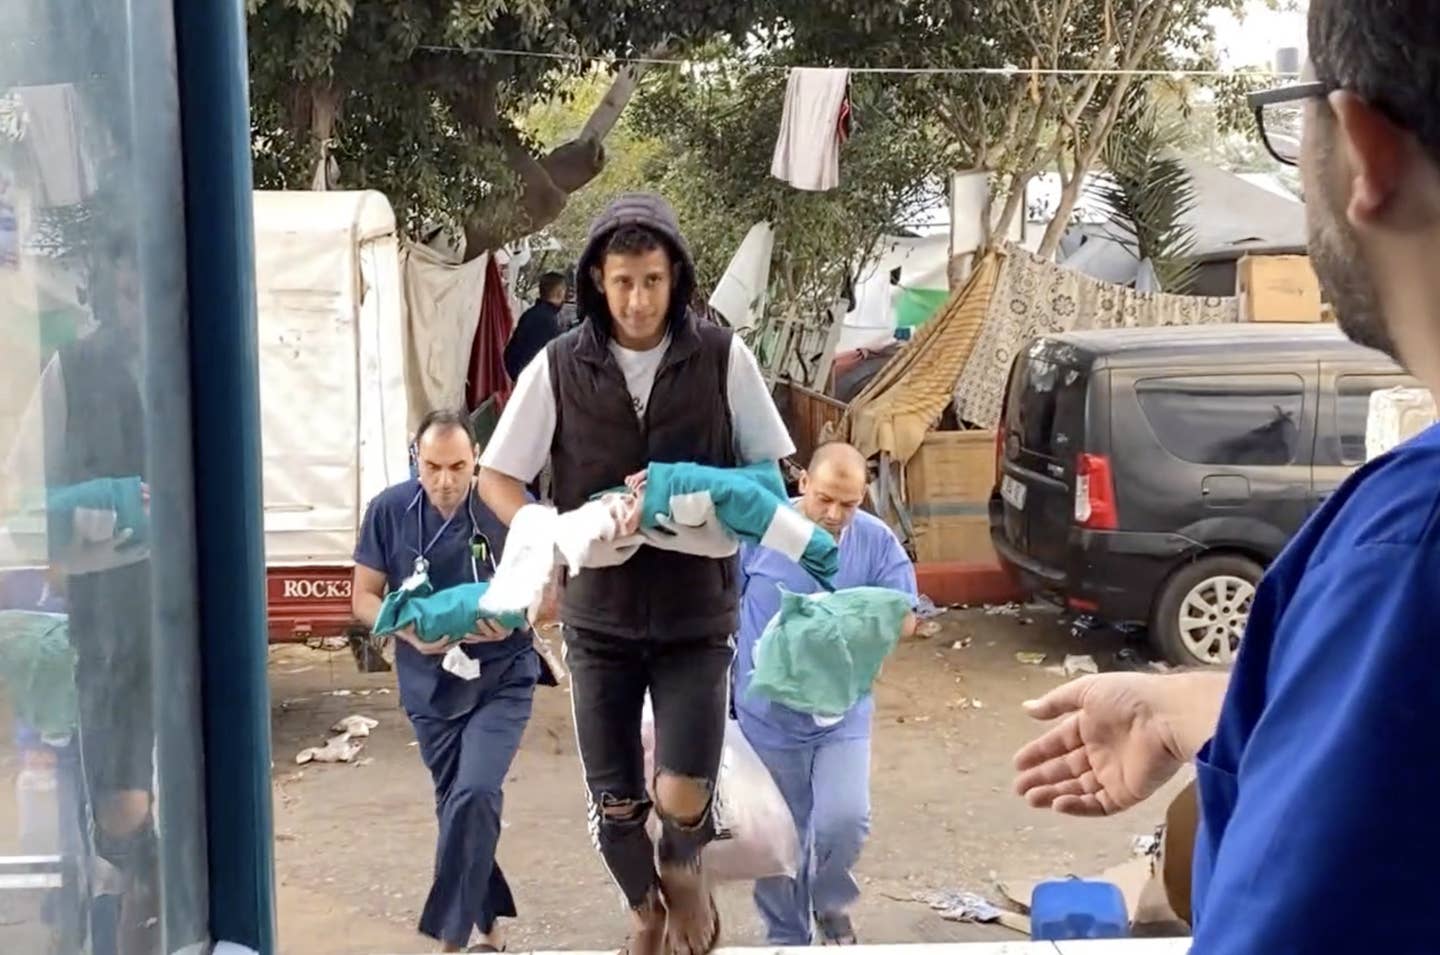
(354, 842)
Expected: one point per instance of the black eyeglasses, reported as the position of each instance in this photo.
(1280, 114)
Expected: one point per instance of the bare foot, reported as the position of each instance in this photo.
(694, 924)
(647, 936)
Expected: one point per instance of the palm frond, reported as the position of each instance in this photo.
(1147, 191)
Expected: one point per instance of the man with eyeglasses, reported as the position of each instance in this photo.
(1317, 764)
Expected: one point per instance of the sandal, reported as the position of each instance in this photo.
(836, 929)
(675, 945)
(647, 946)
(712, 941)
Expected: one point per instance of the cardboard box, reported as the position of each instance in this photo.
(948, 485)
(1278, 288)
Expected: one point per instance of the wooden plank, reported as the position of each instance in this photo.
(806, 413)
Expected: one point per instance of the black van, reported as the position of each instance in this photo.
(1147, 476)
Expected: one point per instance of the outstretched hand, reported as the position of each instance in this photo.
(1113, 748)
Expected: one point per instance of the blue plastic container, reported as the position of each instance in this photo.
(1074, 909)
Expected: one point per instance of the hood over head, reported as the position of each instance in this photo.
(638, 209)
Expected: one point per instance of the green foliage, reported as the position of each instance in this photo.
(1147, 191)
(634, 162)
(387, 87)
(719, 126)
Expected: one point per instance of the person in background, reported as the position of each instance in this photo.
(86, 423)
(640, 381)
(468, 730)
(1316, 763)
(538, 326)
(821, 765)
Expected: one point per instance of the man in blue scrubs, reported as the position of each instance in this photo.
(822, 765)
(1317, 782)
(468, 730)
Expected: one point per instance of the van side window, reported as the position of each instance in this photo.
(1234, 420)
(1352, 410)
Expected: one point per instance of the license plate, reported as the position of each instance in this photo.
(1013, 492)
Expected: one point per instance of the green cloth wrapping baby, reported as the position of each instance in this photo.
(449, 614)
(822, 652)
(749, 501)
(123, 496)
(37, 665)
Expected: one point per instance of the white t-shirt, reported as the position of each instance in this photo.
(521, 443)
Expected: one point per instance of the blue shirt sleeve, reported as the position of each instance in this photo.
(893, 568)
(371, 549)
(1331, 804)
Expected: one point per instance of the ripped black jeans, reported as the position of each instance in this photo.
(689, 685)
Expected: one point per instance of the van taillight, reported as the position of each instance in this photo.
(1095, 493)
(999, 452)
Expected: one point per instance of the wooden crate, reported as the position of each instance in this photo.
(806, 413)
(948, 487)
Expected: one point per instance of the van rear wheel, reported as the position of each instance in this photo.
(1203, 610)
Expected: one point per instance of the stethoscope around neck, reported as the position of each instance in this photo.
(479, 543)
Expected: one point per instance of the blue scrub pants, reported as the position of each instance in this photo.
(468, 758)
(827, 786)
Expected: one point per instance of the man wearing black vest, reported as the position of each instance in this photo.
(642, 380)
(86, 424)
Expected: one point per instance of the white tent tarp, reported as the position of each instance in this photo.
(923, 262)
(332, 388)
(740, 293)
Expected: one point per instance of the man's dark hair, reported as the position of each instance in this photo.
(1388, 54)
(443, 421)
(552, 282)
(633, 240)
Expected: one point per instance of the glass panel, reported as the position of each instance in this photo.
(1352, 411)
(1049, 410)
(102, 845)
(1238, 420)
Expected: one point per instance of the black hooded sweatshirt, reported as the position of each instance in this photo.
(599, 441)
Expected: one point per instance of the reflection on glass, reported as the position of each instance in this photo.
(90, 632)
(1236, 420)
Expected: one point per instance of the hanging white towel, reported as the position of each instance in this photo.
(807, 154)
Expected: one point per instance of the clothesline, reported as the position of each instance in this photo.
(1004, 71)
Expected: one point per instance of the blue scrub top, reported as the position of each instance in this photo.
(870, 556)
(401, 523)
(1317, 794)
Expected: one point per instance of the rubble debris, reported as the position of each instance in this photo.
(926, 609)
(962, 644)
(1030, 659)
(1003, 610)
(344, 746)
(339, 749)
(955, 906)
(1077, 664)
(1148, 845)
(355, 727)
(1056, 671)
(969, 703)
